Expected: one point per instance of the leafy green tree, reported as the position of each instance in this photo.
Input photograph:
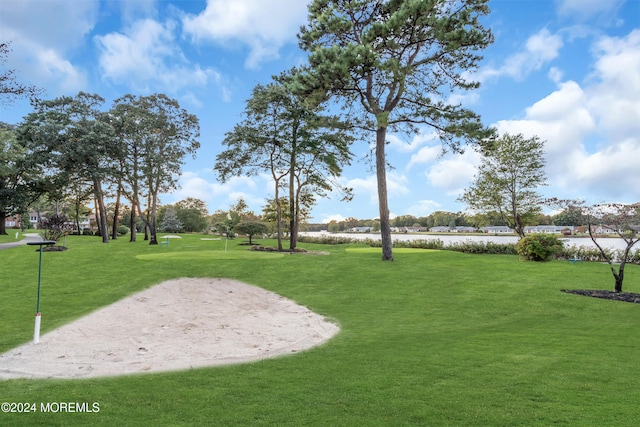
(193, 214)
(170, 222)
(251, 228)
(159, 134)
(570, 216)
(79, 196)
(128, 122)
(511, 171)
(193, 203)
(393, 63)
(289, 138)
(74, 138)
(271, 218)
(20, 174)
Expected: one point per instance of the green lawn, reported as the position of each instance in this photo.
(434, 338)
(11, 236)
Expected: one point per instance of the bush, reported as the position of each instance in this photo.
(539, 247)
(122, 230)
(594, 254)
(55, 226)
(328, 240)
(470, 247)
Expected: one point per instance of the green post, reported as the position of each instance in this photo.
(36, 331)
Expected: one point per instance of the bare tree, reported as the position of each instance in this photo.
(622, 220)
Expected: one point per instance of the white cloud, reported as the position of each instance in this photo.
(42, 21)
(423, 208)
(612, 172)
(593, 132)
(41, 45)
(131, 10)
(396, 143)
(585, 9)
(203, 185)
(146, 57)
(335, 217)
(425, 155)
(263, 25)
(615, 95)
(396, 186)
(555, 74)
(540, 49)
(453, 174)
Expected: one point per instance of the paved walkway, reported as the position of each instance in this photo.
(28, 237)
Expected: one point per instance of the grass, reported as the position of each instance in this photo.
(434, 338)
(10, 236)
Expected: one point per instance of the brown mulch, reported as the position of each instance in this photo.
(611, 295)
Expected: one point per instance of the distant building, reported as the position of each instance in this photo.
(413, 229)
(360, 230)
(12, 221)
(497, 229)
(440, 229)
(549, 229)
(463, 229)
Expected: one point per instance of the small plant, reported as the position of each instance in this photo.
(122, 230)
(539, 247)
(55, 226)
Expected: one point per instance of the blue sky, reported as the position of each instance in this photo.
(565, 70)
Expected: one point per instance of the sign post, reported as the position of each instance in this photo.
(36, 331)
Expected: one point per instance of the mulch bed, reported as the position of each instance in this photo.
(611, 295)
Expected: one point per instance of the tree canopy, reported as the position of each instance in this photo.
(511, 171)
(292, 141)
(393, 64)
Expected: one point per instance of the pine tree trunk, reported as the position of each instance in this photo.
(132, 223)
(101, 208)
(114, 231)
(381, 172)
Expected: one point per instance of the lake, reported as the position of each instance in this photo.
(609, 242)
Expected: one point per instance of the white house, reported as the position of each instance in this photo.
(463, 229)
(497, 229)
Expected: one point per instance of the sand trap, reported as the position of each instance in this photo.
(179, 324)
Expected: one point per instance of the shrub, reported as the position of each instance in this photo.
(594, 254)
(328, 240)
(471, 247)
(539, 247)
(55, 226)
(122, 230)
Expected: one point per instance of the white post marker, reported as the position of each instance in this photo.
(36, 330)
(227, 239)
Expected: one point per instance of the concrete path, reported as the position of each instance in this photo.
(28, 237)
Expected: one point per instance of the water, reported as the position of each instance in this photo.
(609, 242)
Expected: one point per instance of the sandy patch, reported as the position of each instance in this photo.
(176, 325)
